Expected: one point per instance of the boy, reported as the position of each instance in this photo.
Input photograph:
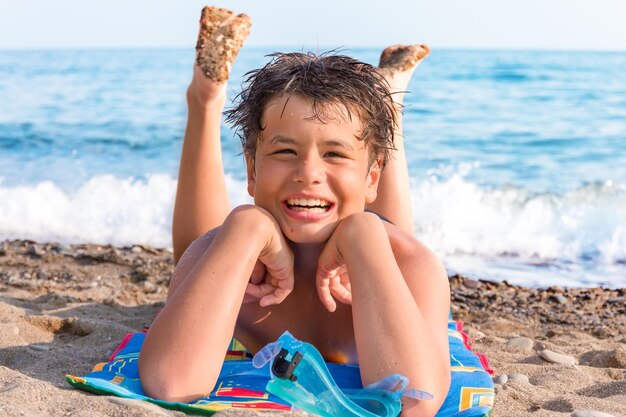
(317, 132)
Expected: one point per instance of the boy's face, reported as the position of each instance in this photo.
(310, 174)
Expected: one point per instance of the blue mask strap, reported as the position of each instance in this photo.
(266, 354)
(397, 384)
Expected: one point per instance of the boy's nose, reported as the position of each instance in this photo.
(310, 170)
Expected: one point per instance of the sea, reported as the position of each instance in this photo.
(517, 158)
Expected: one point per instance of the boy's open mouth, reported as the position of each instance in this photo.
(311, 205)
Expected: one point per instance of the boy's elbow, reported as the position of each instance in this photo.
(427, 408)
(444, 389)
(166, 384)
(165, 391)
(441, 378)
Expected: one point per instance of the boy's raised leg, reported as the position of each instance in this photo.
(201, 197)
(397, 64)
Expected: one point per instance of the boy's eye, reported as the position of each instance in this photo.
(284, 151)
(334, 155)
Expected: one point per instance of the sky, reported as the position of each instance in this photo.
(485, 24)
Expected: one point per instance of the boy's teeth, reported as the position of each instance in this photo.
(310, 205)
(309, 209)
(308, 202)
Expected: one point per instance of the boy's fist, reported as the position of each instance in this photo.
(272, 277)
(332, 279)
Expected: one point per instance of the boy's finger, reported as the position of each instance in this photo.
(324, 294)
(276, 297)
(258, 273)
(247, 299)
(341, 293)
(280, 271)
(259, 290)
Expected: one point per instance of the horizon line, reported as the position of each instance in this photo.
(310, 47)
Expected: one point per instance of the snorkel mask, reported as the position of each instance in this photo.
(300, 377)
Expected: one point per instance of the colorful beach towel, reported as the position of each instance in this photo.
(242, 386)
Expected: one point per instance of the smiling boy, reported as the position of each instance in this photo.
(317, 132)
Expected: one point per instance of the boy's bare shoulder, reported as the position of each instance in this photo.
(197, 247)
(189, 259)
(402, 241)
(408, 249)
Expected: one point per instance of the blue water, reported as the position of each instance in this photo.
(517, 159)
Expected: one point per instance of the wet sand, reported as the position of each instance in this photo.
(64, 308)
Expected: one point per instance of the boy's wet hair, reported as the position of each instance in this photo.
(327, 80)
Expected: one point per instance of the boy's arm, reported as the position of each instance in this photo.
(188, 260)
(185, 346)
(400, 304)
(201, 197)
(258, 287)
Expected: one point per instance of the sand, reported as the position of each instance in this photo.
(64, 308)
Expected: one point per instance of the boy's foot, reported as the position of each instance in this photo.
(222, 34)
(397, 63)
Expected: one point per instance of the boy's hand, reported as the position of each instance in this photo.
(272, 278)
(257, 287)
(252, 290)
(332, 280)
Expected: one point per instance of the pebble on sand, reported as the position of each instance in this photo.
(40, 348)
(590, 413)
(470, 283)
(500, 379)
(477, 335)
(519, 378)
(520, 343)
(559, 299)
(616, 300)
(615, 358)
(558, 358)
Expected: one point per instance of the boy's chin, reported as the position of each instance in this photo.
(309, 237)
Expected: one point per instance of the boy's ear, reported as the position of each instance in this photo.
(250, 173)
(371, 184)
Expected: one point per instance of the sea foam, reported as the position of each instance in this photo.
(103, 210)
(456, 216)
(475, 229)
